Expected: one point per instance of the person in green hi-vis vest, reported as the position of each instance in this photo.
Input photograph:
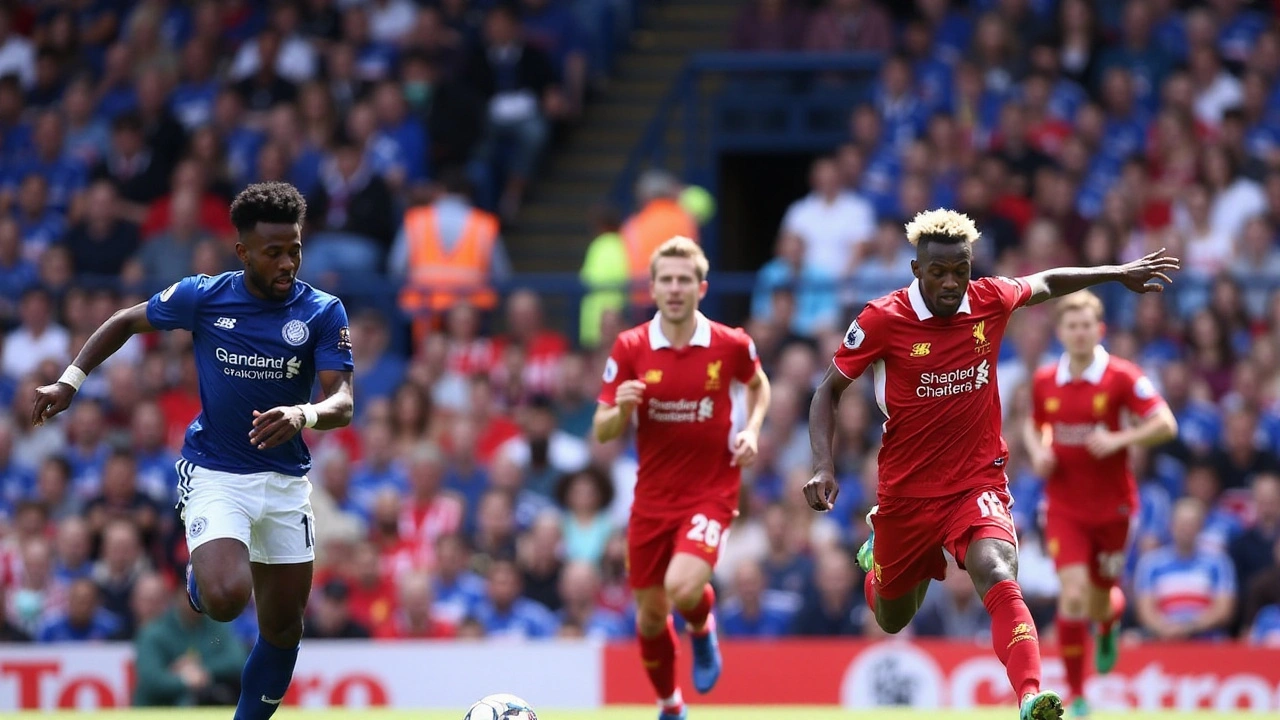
(605, 272)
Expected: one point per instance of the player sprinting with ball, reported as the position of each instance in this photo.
(1077, 440)
(699, 397)
(261, 337)
(932, 348)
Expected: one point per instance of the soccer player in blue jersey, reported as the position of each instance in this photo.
(261, 338)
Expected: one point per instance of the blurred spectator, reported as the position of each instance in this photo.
(754, 609)
(65, 175)
(121, 500)
(263, 88)
(448, 251)
(495, 534)
(580, 590)
(538, 554)
(17, 274)
(952, 609)
(84, 619)
(452, 111)
(604, 272)
(1182, 591)
(355, 212)
(504, 613)
(543, 451)
(542, 348)
(1239, 457)
(586, 497)
(520, 84)
(414, 616)
(74, 548)
(150, 601)
(139, 176)
(40, 225)
(292, 55)
(833, 605)
(455, 587)
(330, 615)
(849, 25)
(658, 218)
(17, 54)
(102, 243)
(379, 368)
(116, 573)
(184, 658)
(170, 255)
(1252, 550)
(769, 26)
(37, 338)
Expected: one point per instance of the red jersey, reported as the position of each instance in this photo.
(694, 403)
(935, 381)
(1081, 486)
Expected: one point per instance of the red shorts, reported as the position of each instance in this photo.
(911, 534)
(653, 541)
(1099, 545)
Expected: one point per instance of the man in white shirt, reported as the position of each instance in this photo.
(17, 54)
(37, 339)
(830, 221)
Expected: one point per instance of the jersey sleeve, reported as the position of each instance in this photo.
(862, 344)
(1012, 293)
(618, 368)
(748, 360)
(174, 308)
(1139, 394)
(333, 342)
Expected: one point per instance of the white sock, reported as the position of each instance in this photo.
(675, 701)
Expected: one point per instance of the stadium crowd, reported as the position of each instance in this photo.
(468, 498)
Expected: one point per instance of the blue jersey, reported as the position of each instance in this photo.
(251, 354)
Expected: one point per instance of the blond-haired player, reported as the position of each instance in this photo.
(933, 348)
(698, 396)
(1078, 441)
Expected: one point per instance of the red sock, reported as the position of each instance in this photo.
(697, 615)
(1071, 641)
(1013, 635)
(658, 654)
(869, 589)
(1117, 610)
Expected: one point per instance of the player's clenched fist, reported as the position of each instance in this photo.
(629, 395)
(51, 400)
(276, 426)
(821, 492)
(744, 449)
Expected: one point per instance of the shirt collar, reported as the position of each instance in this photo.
(701, 332)
(922, 310)
(1091, 374)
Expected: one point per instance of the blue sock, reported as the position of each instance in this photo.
(265, 679)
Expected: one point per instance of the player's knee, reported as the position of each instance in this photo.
(684, 592)
(1072, 601)
(651, 620)
(224, 599)
(287, 635)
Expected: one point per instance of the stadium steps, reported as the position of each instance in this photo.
(551, 232)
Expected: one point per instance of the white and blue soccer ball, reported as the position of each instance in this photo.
(501, 706)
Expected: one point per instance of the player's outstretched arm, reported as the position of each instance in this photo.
(1140, 276)
(279, 424)
(102, 344)
(820, 492)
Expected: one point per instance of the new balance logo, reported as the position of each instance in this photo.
(269, 701)
(225, 323)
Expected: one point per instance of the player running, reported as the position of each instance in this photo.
(1077, 441)
(933, 348)
(261, 337)
(699, 397)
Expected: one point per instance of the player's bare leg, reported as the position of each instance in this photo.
(282, 592)
(1106, 606)
(892, 614)
(219, 582)
(688, 586)
(657, 636)
(1073, 630)
(993, 565)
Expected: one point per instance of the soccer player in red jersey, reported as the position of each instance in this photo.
(699, 397)
(1078, 441)
(942, 486)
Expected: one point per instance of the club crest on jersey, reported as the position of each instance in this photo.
(981, 345)
(1100, 404)
(713, 375)
(652, 377)
(920, 349)
(1051, 405)
(295, 332)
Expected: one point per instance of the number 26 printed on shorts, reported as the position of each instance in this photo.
(705, 530)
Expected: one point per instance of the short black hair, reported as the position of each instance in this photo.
(270, 202)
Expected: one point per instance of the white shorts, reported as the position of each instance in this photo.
(269, 512)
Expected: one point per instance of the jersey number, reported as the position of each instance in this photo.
(989, 505)
(308, 533)
(704, 530)
(1110, 564)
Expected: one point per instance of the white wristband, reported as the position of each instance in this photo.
(309, 412)
(73, 376)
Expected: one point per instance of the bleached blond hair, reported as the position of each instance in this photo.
(942, 222)
(681, 247)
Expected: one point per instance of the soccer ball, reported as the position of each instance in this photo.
(501, 706)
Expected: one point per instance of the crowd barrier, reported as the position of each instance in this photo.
(571, 674)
